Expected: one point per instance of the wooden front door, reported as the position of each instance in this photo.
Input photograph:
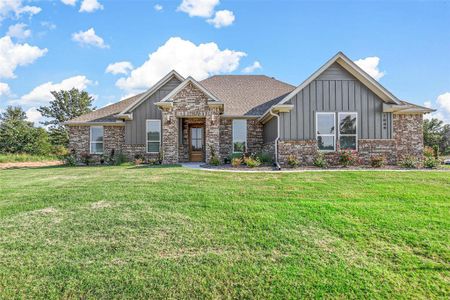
(196, 143)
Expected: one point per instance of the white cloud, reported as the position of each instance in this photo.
(41, 94)
(199, 61)
(198, 8)
(89, 37)
(33, 115)
(15, 8)
(158, 7)
(252, 68)
(370, 66)
(19, 31)
(69, 2)
(122, 67)
(222, 18)
(4, 89)
(48, 25)
(443, 108)
(90, 6)
(13, 55)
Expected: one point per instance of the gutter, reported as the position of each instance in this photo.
(277, 164)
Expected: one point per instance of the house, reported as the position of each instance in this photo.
(181, 119)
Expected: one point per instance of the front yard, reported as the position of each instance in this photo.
(140, 232)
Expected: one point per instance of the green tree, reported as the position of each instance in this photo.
(65, 106)
(17, 135)
(436, 134)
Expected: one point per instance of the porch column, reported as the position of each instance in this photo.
(169, 137)
(212, 137)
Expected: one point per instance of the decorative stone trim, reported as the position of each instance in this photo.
(408, 134)
(368, 148)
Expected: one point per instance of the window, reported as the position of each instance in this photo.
(348, 130)
(96, 140)
(153, 129)
(325, 131)
(239, 135)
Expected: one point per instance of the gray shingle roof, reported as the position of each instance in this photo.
(106, 114)
(249, 95)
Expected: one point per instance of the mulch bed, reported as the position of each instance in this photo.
(30, 164)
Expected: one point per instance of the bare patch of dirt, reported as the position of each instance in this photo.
(30, 164)
(46, 211)
(100, 205)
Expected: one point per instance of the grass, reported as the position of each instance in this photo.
(174, 233)
(9, 158)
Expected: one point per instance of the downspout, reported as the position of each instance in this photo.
(277, 164)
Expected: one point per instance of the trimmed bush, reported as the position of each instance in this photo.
(430, 162)
(252, 162)
(409, 162)
(348, 158)
(377, 161)
(320, 161)
(293, 161)
(236, 162)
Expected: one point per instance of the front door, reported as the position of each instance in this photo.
(196, 142)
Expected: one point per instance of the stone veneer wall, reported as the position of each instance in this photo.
(369, 148)
(304, 151)
(190, 102)
(113, 138)
(408, 135)
(254, 137)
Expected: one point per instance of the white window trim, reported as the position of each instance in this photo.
(326, 134)
(232, 135)
(146, 136)
(90, 140)
(339, 129)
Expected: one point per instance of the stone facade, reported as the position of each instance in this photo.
(370, 148)
(304, 151)
(254, 137)
(190, 102)
(79, 140)
(408, 135)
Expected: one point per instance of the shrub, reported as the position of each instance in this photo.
(252, 162)
(138, 159)
(70, 160)
(320, 161)
(377, 161)
(436, 151)
(119, 158)
(293, 161)
(236, 162)
(347, 158)
(60, 151)
(264, 157)
(214, 160)
(154, 161)
(86, 158)
(428, 152)
(409, 162)
(430, 162)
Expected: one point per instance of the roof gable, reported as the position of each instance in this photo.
(355, 71)
(179, 88)
(172, 74)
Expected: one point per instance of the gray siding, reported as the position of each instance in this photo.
(135, 129)
(270, 130)
(336, 90)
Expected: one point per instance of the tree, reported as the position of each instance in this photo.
(65, 106)
(436, 134)
(17, 135)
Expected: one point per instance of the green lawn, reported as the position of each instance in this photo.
(9, 158)
(159, 233)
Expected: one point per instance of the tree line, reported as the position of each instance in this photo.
(18, 135)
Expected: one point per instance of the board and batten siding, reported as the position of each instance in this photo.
(270, 131)
(135, 129)
(335, 90)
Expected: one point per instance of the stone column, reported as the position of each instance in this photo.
(212, 137)
(408, 135)
(170, 137)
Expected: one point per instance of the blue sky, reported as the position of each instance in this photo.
(47, 45)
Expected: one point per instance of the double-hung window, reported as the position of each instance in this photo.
(239, 131)
(348, 130)
(96, 139)
(153, 129)
(325, 131)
